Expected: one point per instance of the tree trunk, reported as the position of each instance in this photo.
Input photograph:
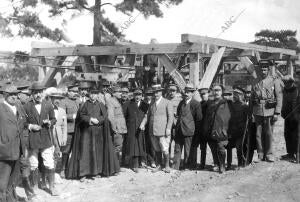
(97, 23)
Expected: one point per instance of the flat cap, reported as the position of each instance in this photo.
(238, 90)
(11, 89)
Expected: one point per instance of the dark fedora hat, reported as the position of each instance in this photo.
(266, 63)
(37, 86)
(10, 89)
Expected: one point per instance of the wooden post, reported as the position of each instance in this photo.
(212, 68)
(194, 72)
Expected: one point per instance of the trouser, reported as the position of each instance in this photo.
(290, 135)
(118, 144)
(264, 136)
(238, 144)
(181, 141)
(66, 150)
(7, 169)
(47, 157)
(250, 142)
(219, 151)
(135, 161)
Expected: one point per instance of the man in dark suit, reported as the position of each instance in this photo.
(189, 116)
(10, 142)
(40, 119)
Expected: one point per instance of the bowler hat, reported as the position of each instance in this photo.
(138, 91)
(149, 91)
(157, 87)
(37, 86)
(56, 95)
(189, 87)
(11, 89)
(172, 87)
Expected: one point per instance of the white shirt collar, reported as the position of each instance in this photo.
(188, 101)
(13, 108)
(158, 101)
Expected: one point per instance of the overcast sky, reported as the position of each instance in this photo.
(201, 17)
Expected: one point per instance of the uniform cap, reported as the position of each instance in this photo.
(189, 87)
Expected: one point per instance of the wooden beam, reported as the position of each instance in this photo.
(249, 66)
(119, 50)
(52, 72)
(189, 38)
(171, 68)
(212, 68)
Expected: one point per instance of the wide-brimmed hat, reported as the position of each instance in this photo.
(24, 89)
(37, 86)
(288, 78)
(157, 87)
(189, 87)
(11, 89)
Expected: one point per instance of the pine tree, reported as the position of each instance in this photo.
(29, 23)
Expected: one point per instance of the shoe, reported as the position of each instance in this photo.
(166, 170)
(136, 170)
(288, 157)
(155, 170)
(229, 168)
(153, 165)
(270, 159)
(215, 168)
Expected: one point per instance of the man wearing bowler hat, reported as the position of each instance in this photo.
(160, 117)
(189, 115)
(266, 102)
(40, 119)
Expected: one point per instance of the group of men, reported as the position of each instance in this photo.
(91, 131)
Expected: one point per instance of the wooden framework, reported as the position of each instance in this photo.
(198, 47)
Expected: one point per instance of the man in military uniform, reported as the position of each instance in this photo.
(266, 102)
(116, 119)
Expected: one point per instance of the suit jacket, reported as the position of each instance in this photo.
(10, 134)
(41, 139)
(266, 89)
(160, 117)
(189, 116)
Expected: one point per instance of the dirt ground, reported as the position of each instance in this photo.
(279, 181)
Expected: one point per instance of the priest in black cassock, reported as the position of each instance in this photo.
(93, 151)
(134, 113)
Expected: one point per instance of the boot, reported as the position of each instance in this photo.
(158, 162)
(28, 189)
(64, 163)
(167, 163)
(51, 179)
(43, 182)
(203, 159)
(222, 158)
(34, 179)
